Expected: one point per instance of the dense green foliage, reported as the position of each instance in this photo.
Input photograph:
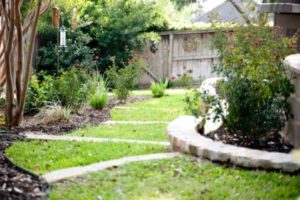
(36, 96)
(120, 26)
(256, 85)
(105, 29)
(124, 79)
(78, 54)
(69, 89)
(193, 103)
(158, 89)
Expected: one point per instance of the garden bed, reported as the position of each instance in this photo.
(86, 116)
(272, 142)
(184, 137)
(15, 182)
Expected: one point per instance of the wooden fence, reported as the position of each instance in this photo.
(179, 53)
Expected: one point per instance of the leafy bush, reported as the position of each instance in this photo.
(123, 79)
(98, 96)
(78, 54)
(37, 93)
(183, 81)
(255, 84)
(70, 89)
(194, 104)
(158, 89)
(118, 27)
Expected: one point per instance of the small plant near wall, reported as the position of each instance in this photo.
(158, 89)
(124, 79)
(255, 85)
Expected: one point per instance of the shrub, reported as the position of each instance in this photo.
(182, 81)
(158, 89)
(53, 113)
(123, 79)
(70, 89)
(255, 86)
(120, 27)
(78, 54)
(98, 96)
(37, 94)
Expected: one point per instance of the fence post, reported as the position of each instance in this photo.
(171, 40)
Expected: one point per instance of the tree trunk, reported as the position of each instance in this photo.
(16, 54)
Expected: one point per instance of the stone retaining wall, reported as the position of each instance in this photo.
(292, 132)
(184, 138)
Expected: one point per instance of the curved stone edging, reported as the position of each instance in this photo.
(62, 174)
(183, 137)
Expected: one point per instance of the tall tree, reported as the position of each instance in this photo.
(17, 39)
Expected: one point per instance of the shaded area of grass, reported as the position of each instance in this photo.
(180, 178)
(45, 156)
(155, 132)
(166, 108)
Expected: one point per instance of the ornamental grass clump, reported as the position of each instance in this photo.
(158, 89)
(256, 85)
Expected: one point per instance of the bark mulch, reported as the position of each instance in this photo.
(272, 142)
(86, 116)
(16, 183)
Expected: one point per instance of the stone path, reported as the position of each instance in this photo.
(62, 174)
(90, 139)
(134, 122)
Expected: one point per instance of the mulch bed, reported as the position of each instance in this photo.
(86, 116)
(16, 183)
(19, 184)
(272, 142)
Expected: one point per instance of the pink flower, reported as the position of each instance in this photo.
(78, 65)
(97, 57)
(173, 77)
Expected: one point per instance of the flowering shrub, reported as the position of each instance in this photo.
(255, 83)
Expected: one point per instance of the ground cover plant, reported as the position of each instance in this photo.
(179, 178)
(44, 156)
(154, 132)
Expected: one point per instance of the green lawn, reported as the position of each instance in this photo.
(155, 132)
(166, 108)
(45, 156)
(179, 178)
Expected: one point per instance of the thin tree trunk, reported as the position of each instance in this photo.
(19, 111)
(8, 64)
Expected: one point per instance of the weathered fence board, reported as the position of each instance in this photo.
(179, 53)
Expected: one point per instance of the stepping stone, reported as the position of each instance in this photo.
(62, 174)
(90, 139)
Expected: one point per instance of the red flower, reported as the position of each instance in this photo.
(173, 77)
(97, 57)
(78, 65)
